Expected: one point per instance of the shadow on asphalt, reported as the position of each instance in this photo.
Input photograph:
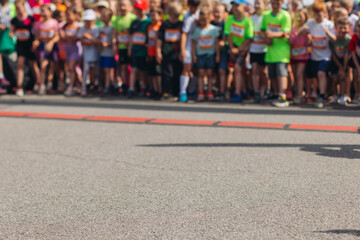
(326, 150)
(340, 231)
(349, 112)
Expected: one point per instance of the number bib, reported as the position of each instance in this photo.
(123, 38)
(22, 34)
(258, 43)
(103, 37)
(172, 35)
(152, 34)
(36, 10)
(70, 31)
(299, 51)
(319, 42)
(47, 35)
(237, 31)
(205, 42)
(340, 51)
(139, 38)
(88, 41)
(274, 27)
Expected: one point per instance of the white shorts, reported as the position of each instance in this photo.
(188, 56)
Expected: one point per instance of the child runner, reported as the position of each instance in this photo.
(5, 18)
(188, 27)
(205, 52)
(257, 54)
(89, 35)
(321, 31)
(222, 66)
(354, 48)
(299, 52)
(240, 31)
(122, 24)
(46, 34)
(168, 50)
(22, 26)
(275, 29)
(60, 68)
(73, 48)
(137, 47)
(106, 43)
(154, 67)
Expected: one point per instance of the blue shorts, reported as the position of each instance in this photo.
(224, 58)
(51, 56)
(317, 66)
(206, 61)
(107, 62)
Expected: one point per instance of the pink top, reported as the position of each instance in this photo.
(298, 48)
(46, 30)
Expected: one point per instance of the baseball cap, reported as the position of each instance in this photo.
(103, 3)
(89, 15)
(240, 2)
(141, 4)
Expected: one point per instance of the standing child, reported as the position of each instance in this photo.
(69, 34)
(239, 30)
(275, 28)
(89, 35)
(154, 67)
(188, 27)
(299, 52)
(122, 24)
(354, 48)
(137, 47)
(22, 26)
(205, 52)
(46, 33)
(106, 43)
(257, 54)
(339, 59)
(60, 68)
(321, 31)
(5, 19)
(222, 66)
(168, 50)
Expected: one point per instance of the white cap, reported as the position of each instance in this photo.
(89, 15)
(103, 3)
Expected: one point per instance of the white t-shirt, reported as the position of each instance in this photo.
(320, 49)
(258, 44)
(352, 19)
(189, 26)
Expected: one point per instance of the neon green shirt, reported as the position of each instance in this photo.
(122, 25)
(239, 31)
(279, 51)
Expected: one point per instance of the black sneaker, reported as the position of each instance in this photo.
(257, 98)
(130, 94)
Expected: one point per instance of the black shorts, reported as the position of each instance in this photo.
(153, 68)
(26, 53)
(139, 63)
(123, 57)
(333, 68)
(258, 58)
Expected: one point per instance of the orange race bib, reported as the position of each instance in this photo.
(123, 38)
(274, 27)
(22, 34)
(319, 42)
(299, 51)
(172, 35)
(47, 34)
(139, 38)
(340, 51)
(205, 42)
(237, 31)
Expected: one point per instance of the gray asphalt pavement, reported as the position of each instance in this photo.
(63, 179)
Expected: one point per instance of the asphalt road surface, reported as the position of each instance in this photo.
(79, 179)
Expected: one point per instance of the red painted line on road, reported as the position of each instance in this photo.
(183, 122)
(251, 124)
(14, 114)
(57, 116)
(118, 119)
(324, 127)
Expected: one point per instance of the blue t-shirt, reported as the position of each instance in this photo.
(205, 39)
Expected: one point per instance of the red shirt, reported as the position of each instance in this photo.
(152, 37)
(354, 44)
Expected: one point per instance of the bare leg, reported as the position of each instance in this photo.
(238, 79)
(201, 75)
(20, 72)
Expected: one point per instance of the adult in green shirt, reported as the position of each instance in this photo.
(239, 30)
(275, 29)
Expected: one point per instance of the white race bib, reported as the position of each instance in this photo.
(274, 27)
(237, 31)
(319, 42)
(103, 37)
(47, 34)
(340, 51)
(22, 34)
(123, 38)
(70, 32)
(205, 42)
(299, 51)
(139, 38)
(172, 35)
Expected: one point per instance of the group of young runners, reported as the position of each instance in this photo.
(206, 50)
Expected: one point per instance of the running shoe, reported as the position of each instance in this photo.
(343, 101)
(210, 97)
(298, 100)
(69, 92)
(83, 92)
(183, 97)
(20, 92)
(236, 99)
(2, 91)
(42, 89)
(257, 98)
(335, 99)
(201, 97)
(280, 102)
(320, 103)
(4, 82)
(131, 94)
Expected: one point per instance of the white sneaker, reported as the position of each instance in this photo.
(49, 86)
(20, 92)
(69, 92)
(83, 92)
(343, 101)
(335, 99)
(36, 88)
(42, 90)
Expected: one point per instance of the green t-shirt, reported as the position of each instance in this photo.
(239, 31)
(122, 25)
(138, 31)
(279, 51)
(340, 47)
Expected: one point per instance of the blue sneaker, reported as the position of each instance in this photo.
(183, 97)
(236, 99)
